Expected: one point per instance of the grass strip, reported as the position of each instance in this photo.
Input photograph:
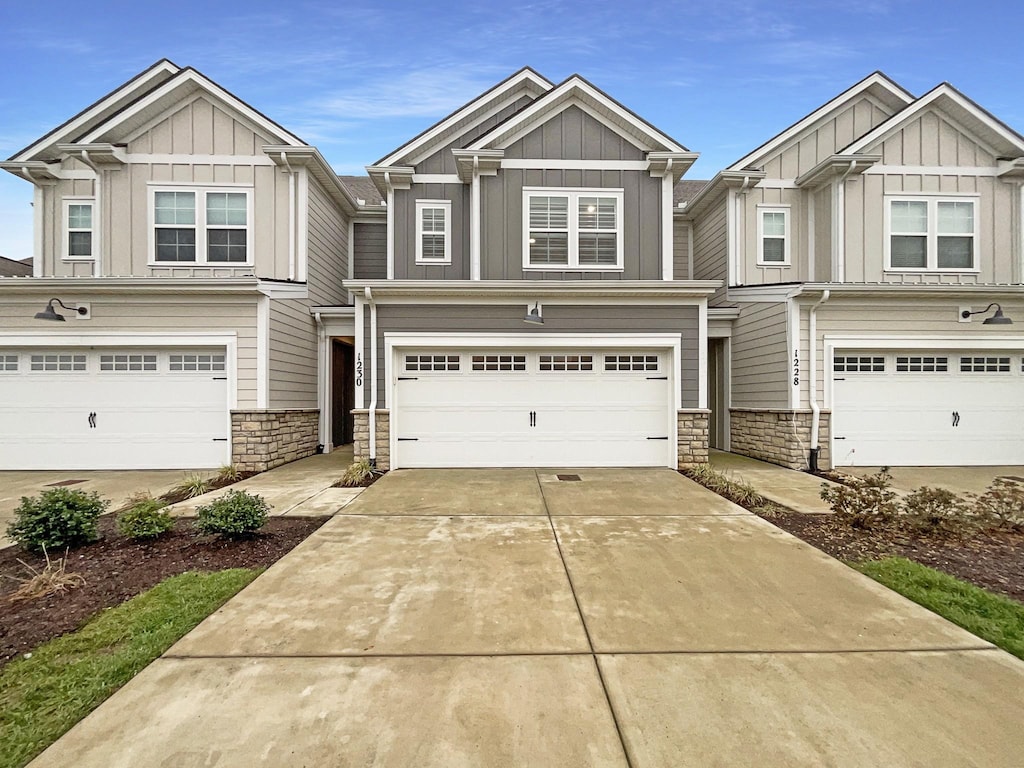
(992, 617)
(63, 680)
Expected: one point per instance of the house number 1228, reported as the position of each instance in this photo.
(796, 367)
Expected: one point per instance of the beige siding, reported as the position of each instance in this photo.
(760, 357)
(327, 247)
(710, 247)
(134, 313)
(829, 136)
(822, 203)
(292, 362)
(928, 142)
(752, 203)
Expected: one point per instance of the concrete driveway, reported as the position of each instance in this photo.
(115, 485)
(956, 479)
(512, 618)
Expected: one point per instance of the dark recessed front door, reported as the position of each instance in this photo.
(343, 392)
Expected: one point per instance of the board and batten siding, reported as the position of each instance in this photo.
(930, 142)
(508, 318)
(443, 161)
(572, 134)
(404, 212)
(833, 133)
(370, 251)
(134, 313)
(196, 127)
(292, 359)
(711, 247)
(756, 200)
(760, 357)
(326, 249)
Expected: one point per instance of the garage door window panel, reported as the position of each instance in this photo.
(573, 229)
(932, 235)
(631, 363)
(984, 364)
(499, 362)
(566, 363)
(921, 364)
(429, 363)
(859, 364)
(196, 363)
(8, 363)
(58, 363)
(128, 363)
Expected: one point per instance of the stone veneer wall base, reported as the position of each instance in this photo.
(779, 436)
(264, 439)
(361, 436)
(693, 425)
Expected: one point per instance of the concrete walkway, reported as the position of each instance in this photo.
(512, 618)
(302, 487)
(800, 491)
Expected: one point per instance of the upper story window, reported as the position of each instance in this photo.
(572, 228)
(78, 228)
(201, 226)
(773, 236)
(932, 234)
(433, 232)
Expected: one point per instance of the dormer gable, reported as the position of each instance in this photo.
(994, 140)
(876, 92)
(45, 148)
(526, 84)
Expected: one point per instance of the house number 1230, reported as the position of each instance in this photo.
(359, 369)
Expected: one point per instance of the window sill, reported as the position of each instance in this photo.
(773, 264)
(433, 262)
(928, 270)
(233, 264)
(568, 268)
(79, 259)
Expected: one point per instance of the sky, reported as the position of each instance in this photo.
(358, 79)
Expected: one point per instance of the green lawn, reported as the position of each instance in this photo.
(42, 696)
(992, 617)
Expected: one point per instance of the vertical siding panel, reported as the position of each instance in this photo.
(161, 137)
(202, 127)
(181, 131)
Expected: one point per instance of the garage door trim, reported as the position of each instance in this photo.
(670, 342)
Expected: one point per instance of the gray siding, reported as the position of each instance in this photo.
(710, 247)
(760, 357)
(405, 232)
(502, 224)
(292, 367)
(327, 249)
(680, 249)
(572, 134)
(370, 243)
(443, 161)
(495, 318)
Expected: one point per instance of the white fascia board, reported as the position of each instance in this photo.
(940, 92)
(722, 181)
(383, 289)
(191, 77)
(836, 165)
(416, 147)
(775, 143)
(576, 90)
(129, 285)
(162, 70)
(307, 156)
(347, 310)
(279, 290)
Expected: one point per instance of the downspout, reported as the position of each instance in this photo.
(291, 215)
(840, 223)
(98, 223)
(37, 223)
(668, 225)
(739, 250)
(474, 221)
(373, 376)
(390, 226)
(812, 379)
(323, 390)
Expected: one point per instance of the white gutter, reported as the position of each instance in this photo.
(373, 375)
(323, 390)
(812, 376)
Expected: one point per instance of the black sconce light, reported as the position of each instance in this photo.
(533, 316)
(997, 319)
(51, 314)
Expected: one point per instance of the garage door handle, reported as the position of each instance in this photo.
(657, 378)
(220, 378)
(408, 378)
(408, 439)
(658, 438)
(533, 418)
(956, 418)
(220, 439)
(92, 420)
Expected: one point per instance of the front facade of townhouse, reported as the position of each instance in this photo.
(528, 282)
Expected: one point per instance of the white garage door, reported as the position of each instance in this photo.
(537, 408)
(931, 408)
(113, 408)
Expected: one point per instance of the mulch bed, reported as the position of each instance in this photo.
(993, 560)
(116, 569)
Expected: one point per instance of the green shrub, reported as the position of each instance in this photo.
(867, 500)
(56, 519)
(1002, 504)
(235, 515)
(193, 485)
(358, 474)
(146, 519)
(229, 473)
(937, 509)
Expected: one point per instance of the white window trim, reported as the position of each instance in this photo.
(201, 190)
(67, 202)
(574, 193)
(784, 210)
(932, 234)
(446, 206)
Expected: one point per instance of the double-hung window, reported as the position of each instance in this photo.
(201, 226)
(772, 236)
(932, 234)
(78, 228)
(578, 229)
(433, 232)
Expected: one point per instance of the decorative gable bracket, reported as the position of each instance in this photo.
(482, 162)
(672, 164)
(107, 157)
